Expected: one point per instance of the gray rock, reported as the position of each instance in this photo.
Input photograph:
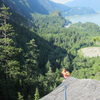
(76, 89)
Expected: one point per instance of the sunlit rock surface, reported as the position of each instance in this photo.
(91, 52)
(77, 89)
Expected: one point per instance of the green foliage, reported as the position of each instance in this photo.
(31, 58)
(66, 63)
(32, 53)
(10, 66)
(36, 96)
(83, 73)
(20, 97)
(48, 66)
(87, 68)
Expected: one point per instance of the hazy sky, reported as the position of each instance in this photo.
(95, 4)
(61, 1)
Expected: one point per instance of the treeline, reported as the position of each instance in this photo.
(24, 64)
(33, 53)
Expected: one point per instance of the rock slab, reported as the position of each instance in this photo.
(76, 89)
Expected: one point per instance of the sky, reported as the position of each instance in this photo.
(95, 4)
(61, 1)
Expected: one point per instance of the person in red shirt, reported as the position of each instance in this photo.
(65, 73)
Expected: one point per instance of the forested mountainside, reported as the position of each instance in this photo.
(33, 53)
(28, 7)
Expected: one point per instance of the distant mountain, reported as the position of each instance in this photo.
(80, 11)
(52, 6)
(28, 7)
(95, 4)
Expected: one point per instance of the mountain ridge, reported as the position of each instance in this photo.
(28, 7)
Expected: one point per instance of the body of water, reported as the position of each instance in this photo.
(95, 18)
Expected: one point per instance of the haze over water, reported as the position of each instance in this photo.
(95, 18)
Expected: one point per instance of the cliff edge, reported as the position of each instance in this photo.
(76, 89)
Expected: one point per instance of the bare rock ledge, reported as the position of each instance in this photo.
(76, 89)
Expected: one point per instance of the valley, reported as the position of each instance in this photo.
(35, 46)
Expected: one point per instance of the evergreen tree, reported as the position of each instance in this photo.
(20, 97)
(48, 66)
(36, 96)
(31, 69)
(66, 63)
(10, 66)
(8, 50)
(50, 77)
(32, 58)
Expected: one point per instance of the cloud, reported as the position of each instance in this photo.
(61, 1)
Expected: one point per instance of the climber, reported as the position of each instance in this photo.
(65, 73)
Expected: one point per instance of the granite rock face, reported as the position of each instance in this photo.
(76, 89)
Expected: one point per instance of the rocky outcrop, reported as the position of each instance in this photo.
(91, 52)
(76, 89)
